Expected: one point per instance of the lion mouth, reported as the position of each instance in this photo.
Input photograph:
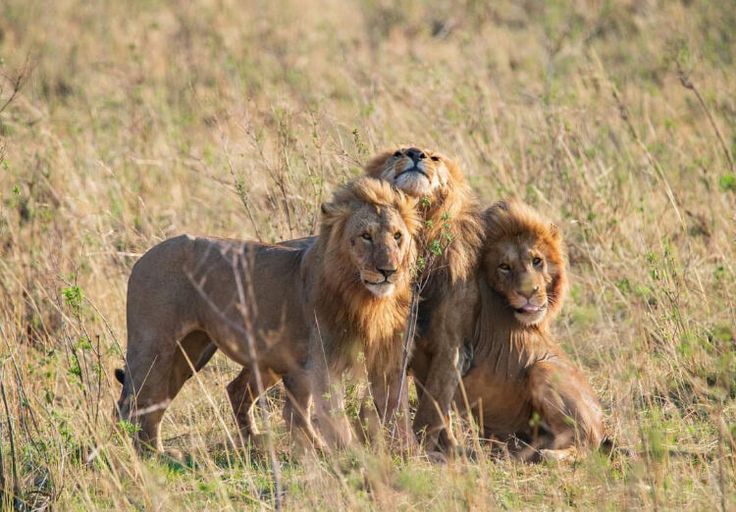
(530, 309)
(381, 290)
(380, 283)
(413, 169)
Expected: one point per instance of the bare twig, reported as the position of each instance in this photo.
(243, 195)
(11, 436)
(688, 84)
(17, 82)
(247, 315)
(408, 345)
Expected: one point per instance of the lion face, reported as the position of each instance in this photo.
(375, 234)
(418, 172)
(379, 241)
(523, 261)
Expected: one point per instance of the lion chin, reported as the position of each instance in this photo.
(414, 181)
(530, 314)
(381, 290)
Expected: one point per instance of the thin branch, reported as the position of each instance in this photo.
(247, 316)
(16, 484)
(689, 85)
(17, 82)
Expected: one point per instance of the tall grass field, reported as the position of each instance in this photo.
(125, 123)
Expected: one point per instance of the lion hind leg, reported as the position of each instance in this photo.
(566, 404)
(156, 369)
(243, 395)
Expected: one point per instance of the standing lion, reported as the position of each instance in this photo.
(300, 314)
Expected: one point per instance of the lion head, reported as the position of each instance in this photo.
(371, 228)
(418, 172)
(523, 261)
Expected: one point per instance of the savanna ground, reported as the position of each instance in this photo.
(135, 121)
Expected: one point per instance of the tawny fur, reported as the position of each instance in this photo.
(184, 304)
(518, 371)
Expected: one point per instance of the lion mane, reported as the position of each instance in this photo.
(361, 316)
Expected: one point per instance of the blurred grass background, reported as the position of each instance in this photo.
(129, 122)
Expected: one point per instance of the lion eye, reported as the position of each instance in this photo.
(397, 154)
(435, 159)
(366, 236)
(397, 236)
(503, 267)
(537, 261)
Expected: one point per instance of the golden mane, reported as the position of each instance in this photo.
(342, 298)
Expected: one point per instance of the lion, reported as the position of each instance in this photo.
(300, 314)
(520, 384)
(451, 239)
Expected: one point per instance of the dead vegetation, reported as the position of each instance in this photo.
(125, 123)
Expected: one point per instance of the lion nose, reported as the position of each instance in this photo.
(528, 294)
(415, 154)
(387, 272)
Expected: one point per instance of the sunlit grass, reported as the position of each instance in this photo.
(136, 121)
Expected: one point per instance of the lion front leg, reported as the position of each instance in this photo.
(392, 403)
(431, 421)
(329, 409)
(436, 365)
(327, 392)
(567, 405)
(299, 402)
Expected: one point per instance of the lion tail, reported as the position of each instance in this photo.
(120, 375)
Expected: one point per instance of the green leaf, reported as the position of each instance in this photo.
(727, 182)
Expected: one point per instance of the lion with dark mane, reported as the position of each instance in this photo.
(301, 314)
(520, 384)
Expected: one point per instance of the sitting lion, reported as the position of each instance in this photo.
(297, 313)
(449, 246)
(520, 383)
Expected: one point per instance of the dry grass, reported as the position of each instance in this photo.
(144, 119)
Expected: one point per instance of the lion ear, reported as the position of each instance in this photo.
(328, 210)
(443, 174)
(495, 210)
(331, 212)
(554, 230)
(500, 205)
